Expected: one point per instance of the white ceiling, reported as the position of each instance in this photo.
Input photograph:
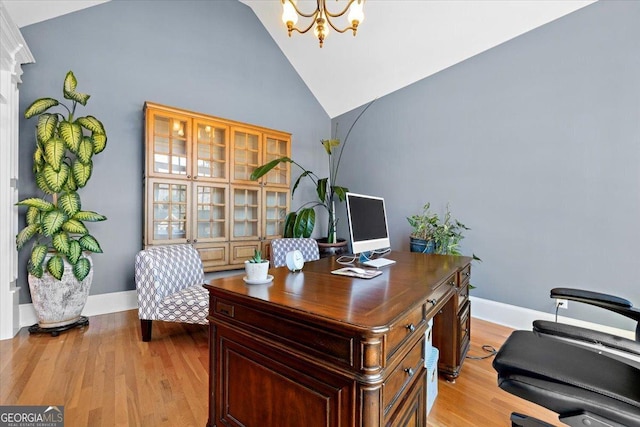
(398, 43)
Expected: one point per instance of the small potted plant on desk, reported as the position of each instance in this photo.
(256, 268)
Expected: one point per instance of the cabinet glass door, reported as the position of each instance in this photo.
(169, 145)
(274, 148)
(246, 153)
(169, 207)
(276, 206)
(211, 213)
(246, 213)
(211, 155)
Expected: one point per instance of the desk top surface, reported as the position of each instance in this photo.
(362, 302)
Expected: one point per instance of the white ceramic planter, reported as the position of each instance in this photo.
(59, 303)
(256, 271)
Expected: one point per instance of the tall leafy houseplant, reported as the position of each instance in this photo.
(62, 164)
(300, 223)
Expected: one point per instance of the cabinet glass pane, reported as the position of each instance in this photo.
(275, 212)
(276, 148)
(246, 154)
(245, 212)
(169, 211)
(210, 212)
(169, 146)
(211, 151)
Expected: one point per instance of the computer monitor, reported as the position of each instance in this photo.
(367, 223)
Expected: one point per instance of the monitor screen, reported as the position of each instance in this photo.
(367, 223)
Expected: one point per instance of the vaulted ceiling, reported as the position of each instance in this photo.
(398, 43)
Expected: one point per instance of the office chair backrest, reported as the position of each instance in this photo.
(280, 247)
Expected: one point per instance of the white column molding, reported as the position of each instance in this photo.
(13, 53)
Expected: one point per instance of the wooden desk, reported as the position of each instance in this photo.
(316, 349)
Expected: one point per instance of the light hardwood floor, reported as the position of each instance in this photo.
(104, 375)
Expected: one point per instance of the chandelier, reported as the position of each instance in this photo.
(321, 17)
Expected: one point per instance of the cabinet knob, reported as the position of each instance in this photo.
(433, 301)
(195, 240)
(195, 177)
(467, 273)
(188, 176)
(411, 327)
(409, 371)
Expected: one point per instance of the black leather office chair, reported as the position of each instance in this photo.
(587, 377)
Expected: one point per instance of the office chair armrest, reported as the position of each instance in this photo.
(589, 297)
(576, 333)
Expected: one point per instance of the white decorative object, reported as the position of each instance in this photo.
(256, 271)
(295, 260)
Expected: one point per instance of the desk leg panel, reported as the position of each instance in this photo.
(258, 385)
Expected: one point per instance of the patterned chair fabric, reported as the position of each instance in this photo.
(280, 247)
(169, 283)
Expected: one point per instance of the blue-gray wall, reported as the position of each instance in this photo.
(536, 146)
(213, 57)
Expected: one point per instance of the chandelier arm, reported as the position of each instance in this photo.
(338, 14)
(337, 29)
(305, 30)
(307, 15)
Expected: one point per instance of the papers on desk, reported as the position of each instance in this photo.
(368, 273)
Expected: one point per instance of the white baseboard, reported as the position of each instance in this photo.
(96, 305)
(503, 314)
(522, 318)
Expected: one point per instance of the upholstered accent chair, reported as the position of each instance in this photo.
(280, 247)
(169, 283)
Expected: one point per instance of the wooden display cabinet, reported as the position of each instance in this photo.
(197, 186)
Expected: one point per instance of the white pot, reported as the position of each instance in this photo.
(256, 271)
(59, 302)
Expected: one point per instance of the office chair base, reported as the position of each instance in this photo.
(520, 420)
(583, 419)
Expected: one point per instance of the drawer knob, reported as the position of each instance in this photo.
(410, 327)
(467, 273)
(433, 301)
(409, 371)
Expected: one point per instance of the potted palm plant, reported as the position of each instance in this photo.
(60, 267)
(301, 222)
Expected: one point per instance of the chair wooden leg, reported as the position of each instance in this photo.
(145, 326)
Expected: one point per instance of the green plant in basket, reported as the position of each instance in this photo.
(62, 164)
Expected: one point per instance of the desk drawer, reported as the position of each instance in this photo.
(463, 295)
(322, 343)
(403, 330)
(408, 370)
(464, 275)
